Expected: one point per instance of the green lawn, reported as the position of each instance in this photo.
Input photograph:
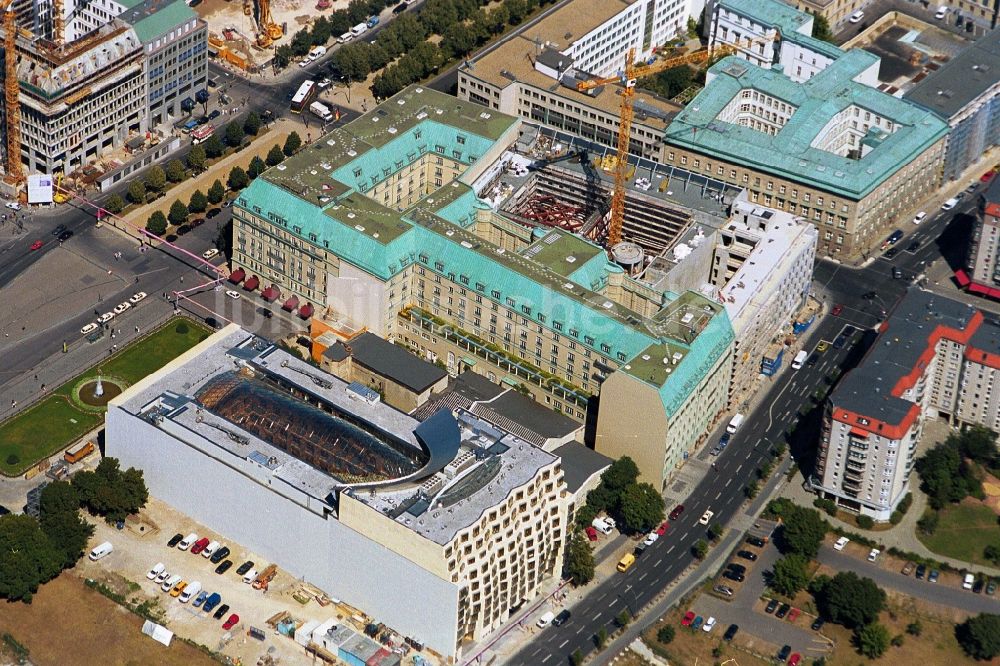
(55, 422)
(963, 531)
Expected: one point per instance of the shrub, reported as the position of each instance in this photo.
(666, 634)
(866, 522)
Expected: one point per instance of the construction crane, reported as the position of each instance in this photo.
(627, 79)
(57, 21)
(267, 30)
(12, 91)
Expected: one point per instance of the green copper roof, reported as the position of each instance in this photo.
(770, 13)
(154, 18)
(789, 153)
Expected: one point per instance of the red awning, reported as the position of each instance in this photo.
(977, 288)
(306, 311)
(237, 276)
(962, 278)
(291, 304)
(251, 283)
(858, 432)
(271, 294)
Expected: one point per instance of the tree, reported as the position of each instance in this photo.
(157, 223)
(577, 657)
(641, 508)
(282, 56)
(621, 474)
(274, 156)
(217, 192)
(872, 640)
(213, 146)
(458, 40)
(666, 633)
(178, 212)
(700, 549)
(579, 564)
(196, 158)
(670, 82)
(234, 134)
(802, 531)
(256, 167)
(137, 192)
(68, 532)
(821, 28)
(110, 492)
(915, 628)
(198, 203)
(979, 636)
(252, 123)
(352, 61)
(238, 178)
(715, 531)
(116, 204)
(517, 9)
(292, 144)
(977, 443)
(27, 557)
(850, 600)
(58, 497)
(944, 475)
(789, 575)
(175, 171)
(156, 180)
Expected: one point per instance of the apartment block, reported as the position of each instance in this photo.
(534, 74)
(935, 358)
(982, 270)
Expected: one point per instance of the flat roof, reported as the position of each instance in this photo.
(769, 12)
(790, 153)
(154, 18)
(956, 84)
(867, 389)
(579, 463)
(394, 362)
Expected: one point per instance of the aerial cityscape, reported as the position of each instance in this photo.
(528, 332)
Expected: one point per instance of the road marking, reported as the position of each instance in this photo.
(563, 644)
(684, 536)
(597, 617)
(739, 468)
(718, 495)
(669, 550)
(729, 481)
(547, 657)
(657, 562)
(643, 575)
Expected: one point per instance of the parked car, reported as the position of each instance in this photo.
(782, 611)
(106, 317)
(178, 588)
(89, 328)
(157, 569)
(212, 601)
(921, 570)
(224, 567)
(908, 568)
(933, 576)
(662, 529)
(199, 546)
(221, 611)
(784, 652)
(136, 297)
(747, 555)
(794, 659)
(841, 543)
(706, 518)
(687, 619)
(650, 539)
(709, 625)
(733, 576)
(245, 567)
(161, 577)
(793, 614)
(561, 619)
(676, 512)
(36, 245)
(174, 540)
(219, 555)
(591, 533)
(771, 605)
(837, 309)
(208, 254)
(232, 294)
(817, 624)
(724, 590)
(200, 599)
(873, 554)
(731, 632)
(919, 217)
(978, 586)
(233, 620)
(122, 307)
(736, 568)
(698, 621)
(755, 541)
(991, 587)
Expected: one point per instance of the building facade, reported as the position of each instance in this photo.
(983, 265)
(934, 358)
(380, 224)
(965, 93)
(451, 513)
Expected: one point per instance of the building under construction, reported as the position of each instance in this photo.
(99, 75)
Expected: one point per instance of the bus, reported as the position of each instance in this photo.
(202, 133)
(304, 96)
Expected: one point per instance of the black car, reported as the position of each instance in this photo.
(737, 568)
(782, 611)
(267, 314)
(202, 120)
(561, 619)
(913, 247)
(755, 541)
(813, 360)
(733, 576)
(747, 555)
(784, 652)
(220, 555)
(978, 586)
(224, 567)
(400, 8)
(891, 252)
(215, 114)
(921, 570)
(771, 605)
(58, 230)
(840, 341)
(731, 632)
(66, 235)
(213, 212)
(818, 624)
(245, 567)
(174, 540)
(222, 610)
(897, 274)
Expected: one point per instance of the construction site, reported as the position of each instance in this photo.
(84, 88)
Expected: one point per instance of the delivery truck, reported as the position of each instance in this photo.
(321, 110)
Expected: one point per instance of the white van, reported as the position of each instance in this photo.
(950, 203)
(799, 359)
(187, 541)
(601, 526)
(359, 29)
(250, 576)
(317, 52)
(856, 16)
(101, 550)
(190, 592)
(734, 424)
(156, 571)
(344, 38)
(169, 583)
(210, 549)
(545, 620)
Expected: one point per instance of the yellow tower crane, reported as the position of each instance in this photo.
(57, 21)
(12, 91)
(627, 79)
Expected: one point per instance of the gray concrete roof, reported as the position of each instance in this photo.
(961, 80)
(394, 362)
(579, 463)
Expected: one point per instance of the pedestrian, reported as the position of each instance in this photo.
(13, 404)
(114, 347)
(136, 329)
(43, 388)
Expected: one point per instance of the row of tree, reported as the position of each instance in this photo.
(33, 551)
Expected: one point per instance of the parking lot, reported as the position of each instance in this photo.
(141, 545)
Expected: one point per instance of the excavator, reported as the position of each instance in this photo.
(267, 30)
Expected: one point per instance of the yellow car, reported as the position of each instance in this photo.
(822, 346)
(178, 588)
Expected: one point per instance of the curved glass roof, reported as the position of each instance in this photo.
(332, 442)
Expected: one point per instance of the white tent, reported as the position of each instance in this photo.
(157, 632)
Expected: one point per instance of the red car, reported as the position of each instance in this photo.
(837, 309)
(688, 619)
(591, 533)
(199, 545)
(792, 614)
(987, 177)
(662, 529)
(677, 511)
(37, 244)
(794, 659)
(233, 620)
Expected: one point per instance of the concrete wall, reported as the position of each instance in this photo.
(237, 499)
